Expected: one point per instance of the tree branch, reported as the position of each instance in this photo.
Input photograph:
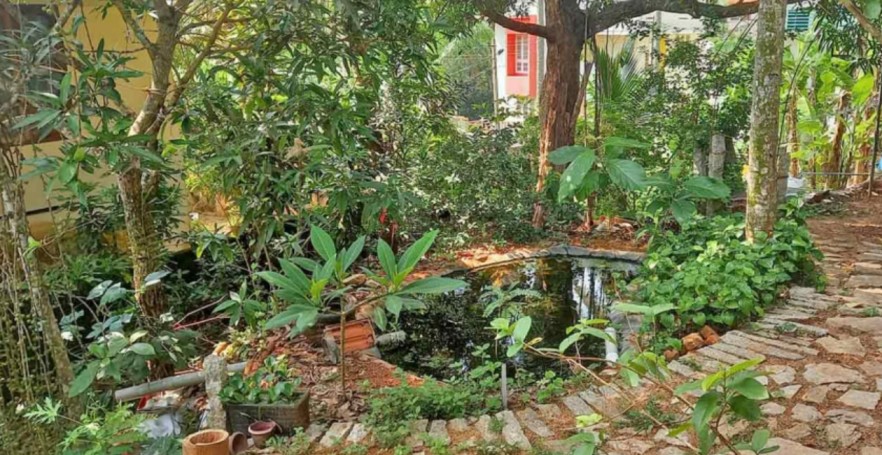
(194, 65)
(617, 12)
(134, 26)
(518, 26)
(863, 20)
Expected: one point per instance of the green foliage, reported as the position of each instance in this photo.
(309, 287)
(120, 351)
(732, 390)
(712, 275)
(391, 409)
(270, 384)
(114, 432)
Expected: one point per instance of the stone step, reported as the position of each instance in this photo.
(742, 352)
(706, 364)
(780, 342)
(336, 434)
(790, 315)
(512, 432)
(315, 431)
(417, 429)
(804, 328)
(602, 403)
(814, 305)
(483, 427)
(532, 422)
(576, 405)
(768, 350)
(718, 355)
(438, 431)
(358, 433)
(683, 370)
(864, 281)
(550, 411)
(863, 325)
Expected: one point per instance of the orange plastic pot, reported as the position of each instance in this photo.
(207, 442)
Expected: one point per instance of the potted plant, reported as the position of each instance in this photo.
(268, 394)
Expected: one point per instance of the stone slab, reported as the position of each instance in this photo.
(336, 434)
(829, 373)
(864, 325)
(860, 399)
(533, 423)
(512, 432)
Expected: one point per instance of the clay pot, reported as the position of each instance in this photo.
(261, 431)
(238, 443)
(207, 442)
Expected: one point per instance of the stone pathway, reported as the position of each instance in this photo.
(822, 353)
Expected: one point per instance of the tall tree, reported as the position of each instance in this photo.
(763, 146)
(568, 27)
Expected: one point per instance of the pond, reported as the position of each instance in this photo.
(441, 340)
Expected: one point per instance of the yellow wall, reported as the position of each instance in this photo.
(113, 31)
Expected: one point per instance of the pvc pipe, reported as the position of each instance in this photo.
(612, 351)
(169, 383)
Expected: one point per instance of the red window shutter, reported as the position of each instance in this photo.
(511, 53)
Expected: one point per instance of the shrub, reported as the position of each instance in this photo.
(712, 275)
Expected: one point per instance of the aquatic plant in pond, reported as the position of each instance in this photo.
(555, 292)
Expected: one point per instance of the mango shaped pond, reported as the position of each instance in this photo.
(442, 340)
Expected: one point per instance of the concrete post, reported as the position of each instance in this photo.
(215, 369)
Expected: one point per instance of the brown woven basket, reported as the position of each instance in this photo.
(287, 416)
(207, 442)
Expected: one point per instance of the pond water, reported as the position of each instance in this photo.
(441, 340)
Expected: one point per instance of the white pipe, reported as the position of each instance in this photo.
(612, 351)
(169, 383)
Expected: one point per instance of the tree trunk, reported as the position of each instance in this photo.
(559, 108)
(763, 149)
(716, 165)
(793, 134)
(862, 160)
(833, 164)
(12, 191)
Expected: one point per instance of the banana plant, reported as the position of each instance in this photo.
(310, 287)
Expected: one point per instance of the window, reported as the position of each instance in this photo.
(522, 54)
(798, 19)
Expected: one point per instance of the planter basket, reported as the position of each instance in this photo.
(287, 416)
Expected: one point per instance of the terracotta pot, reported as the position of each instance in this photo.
(261, 431)
(207, 442)
(238, 443)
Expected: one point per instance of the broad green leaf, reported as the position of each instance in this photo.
(433, 285)
(574, 174)
(67, 171)
(683, 210)
(751, 388)
(863, 87)
(522, 328)
(282, 319)
(701, 187)
(322, 243)
(759, 440)
(626, 174)
(622, 142)
(379, 316)
(705, 408)
(566, 154)
(84, 379)
(143, 349)
(412, 256)
(745, 408)
(569, 341)
(514, 348)
(278, 280)
(352, 253)
(387, 259)
(295, 274)
(306, 319)
(43, 116)
(394, 304)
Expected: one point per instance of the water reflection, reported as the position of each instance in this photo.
(454, 325)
